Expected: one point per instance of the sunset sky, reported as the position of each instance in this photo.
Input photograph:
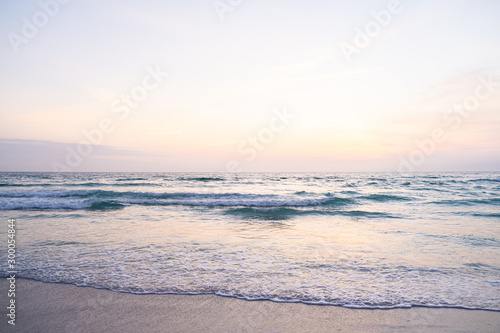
(261, 85)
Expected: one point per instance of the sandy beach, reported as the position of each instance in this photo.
(48, 307)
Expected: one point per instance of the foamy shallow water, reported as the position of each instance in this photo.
(352, 239)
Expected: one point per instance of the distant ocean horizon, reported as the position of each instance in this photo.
(362, 240)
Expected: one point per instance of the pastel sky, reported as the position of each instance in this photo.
(252, 85)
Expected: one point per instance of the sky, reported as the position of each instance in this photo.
(240, 85)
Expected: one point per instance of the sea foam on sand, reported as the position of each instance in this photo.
(50, 307)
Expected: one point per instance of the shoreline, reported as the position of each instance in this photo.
(58, 307)
(453, 307)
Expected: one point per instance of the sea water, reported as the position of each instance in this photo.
(366, 240)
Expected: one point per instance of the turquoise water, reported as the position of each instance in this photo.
(370, 240)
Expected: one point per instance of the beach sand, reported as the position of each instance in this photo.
(49, 307)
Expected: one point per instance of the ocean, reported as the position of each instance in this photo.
(362, 240)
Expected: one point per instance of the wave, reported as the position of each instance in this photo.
(496, 215)
(462, 181)
(106, 205)
(377, 179)
(431, 177)
(107, 184)
(61, 205)
(135, 184)
(252, 296)
(245, 201)
(361, 213)
(119, 184)
(495, 180)
(468, 202)
(273, 214)
(103, 199)
(23, 185)
(59, 243)
(97, 194)
(202, 179)
(384, 197)
(87, 184)
(277, 214)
